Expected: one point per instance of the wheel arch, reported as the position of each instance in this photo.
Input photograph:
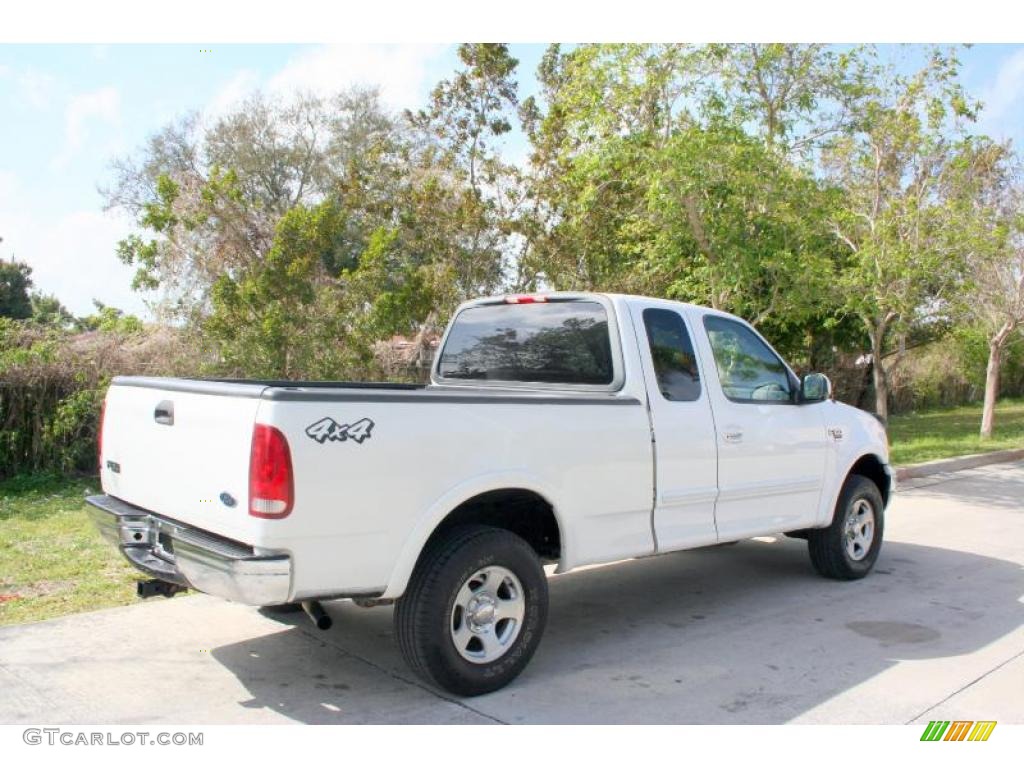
(869, 465)
(872, 467)
(519, 505)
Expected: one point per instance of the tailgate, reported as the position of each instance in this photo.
(180, 449)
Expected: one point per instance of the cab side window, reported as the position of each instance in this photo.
(675, 365)
(748, 369)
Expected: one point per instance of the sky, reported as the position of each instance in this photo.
(67, 111)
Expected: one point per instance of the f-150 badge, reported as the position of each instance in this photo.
(328, 429)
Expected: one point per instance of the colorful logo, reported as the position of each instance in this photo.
(958, 730)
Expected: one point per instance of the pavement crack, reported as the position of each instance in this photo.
(395, 676)
(964, 687)
(927, 482)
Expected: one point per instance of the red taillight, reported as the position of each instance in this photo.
(99, 437)
(271, 487)
(521, 298)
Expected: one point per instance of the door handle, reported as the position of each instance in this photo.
(733, 436)
(164, 413)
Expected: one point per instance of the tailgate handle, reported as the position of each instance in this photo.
(164, 413)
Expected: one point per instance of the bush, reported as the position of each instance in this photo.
(947, 372)
(52, 383)
(951, 371)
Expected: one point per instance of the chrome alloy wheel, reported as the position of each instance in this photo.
(487, 615)
(860, 529)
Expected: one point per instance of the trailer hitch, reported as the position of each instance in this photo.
(154, 587)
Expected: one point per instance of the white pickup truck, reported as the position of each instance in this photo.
(562, 428)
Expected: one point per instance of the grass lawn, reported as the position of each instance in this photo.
(52, 560)
(941, 433)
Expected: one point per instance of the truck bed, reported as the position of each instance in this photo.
(360, 502)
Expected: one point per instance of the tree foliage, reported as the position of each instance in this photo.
(15, 284)
(821, 192)
(649, 181)
(986, 198)
(892, 216)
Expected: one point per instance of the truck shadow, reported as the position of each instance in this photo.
(740, 634)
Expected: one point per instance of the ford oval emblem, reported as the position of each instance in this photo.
(227, 499)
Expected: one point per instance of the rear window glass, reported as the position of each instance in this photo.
(563, 342)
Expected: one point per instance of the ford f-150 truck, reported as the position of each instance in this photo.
(563, 428)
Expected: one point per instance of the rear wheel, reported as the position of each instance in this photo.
(474, 611)
(849, 547)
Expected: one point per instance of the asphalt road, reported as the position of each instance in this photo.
(740, 634)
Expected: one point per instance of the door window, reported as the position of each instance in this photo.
(747, 368)
(675, 365)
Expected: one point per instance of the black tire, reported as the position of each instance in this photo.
(424, 614)
(828, 546)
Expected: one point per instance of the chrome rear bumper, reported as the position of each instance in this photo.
(191, 557)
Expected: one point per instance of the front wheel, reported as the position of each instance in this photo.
(849, 547)
(474, 611)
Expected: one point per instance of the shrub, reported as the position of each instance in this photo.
(52, 383)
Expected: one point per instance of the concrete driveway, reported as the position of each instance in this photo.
(740, 634)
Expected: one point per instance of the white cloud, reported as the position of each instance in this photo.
(33, 86)
(36, 87)
(241, 84)
(401, 72)
(72, 256)
(1005, 93)
(102, 107)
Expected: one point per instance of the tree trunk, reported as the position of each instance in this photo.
(995, 355)
(879, 377)
(881, 383)
(991, 390)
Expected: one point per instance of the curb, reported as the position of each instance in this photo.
(959, 462)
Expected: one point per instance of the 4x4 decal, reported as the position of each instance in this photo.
(328, 429)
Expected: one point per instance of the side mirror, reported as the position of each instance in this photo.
(815, 388)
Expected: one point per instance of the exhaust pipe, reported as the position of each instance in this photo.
(316, 613)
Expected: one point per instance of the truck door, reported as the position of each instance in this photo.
(684, 432)
(771, 451)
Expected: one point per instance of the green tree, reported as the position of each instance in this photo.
(648, 181)
(284, 229)
(900, 265)
(277, 318)
(985, 190)
(108, 319)
(797, 96)
(15, 284)
(737, 227)
(208, 200)
(462, 198)
(48, 310)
